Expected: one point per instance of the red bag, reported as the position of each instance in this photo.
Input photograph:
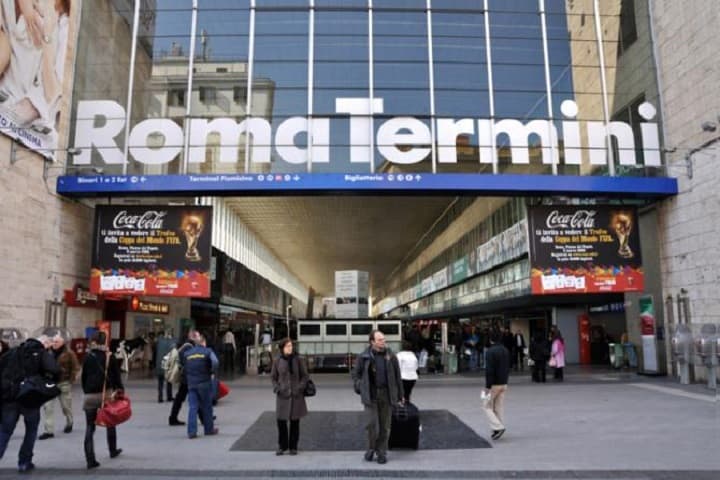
(114, 412)
(223, 390)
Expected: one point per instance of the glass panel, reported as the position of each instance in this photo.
(389, 328)
(361, 329)
(519, 80)
(161, 70)
(401, 78)
(310, 330)
(336, 330)
(220, 86)
(461, 87)
(281, 57)
(341, 72)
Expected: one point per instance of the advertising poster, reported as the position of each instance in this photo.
(584, 249)
(33, 47)
(152, 250)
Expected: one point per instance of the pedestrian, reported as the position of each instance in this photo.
(178, 377)
(228, 352)
(27, 359)
(508, 340)
(497, 371)
(101, 371)
(408, 362)
(69, 368)
(557, 355)
(539, 354)
(289, 377)
(376, 378)
(164, 345)
(200, 365)
(519, 345)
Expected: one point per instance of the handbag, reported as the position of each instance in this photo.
(552, 362)
(36, 390)
(310, 389)
(222, 390)
(116, 409)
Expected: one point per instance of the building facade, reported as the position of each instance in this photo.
(552, 88)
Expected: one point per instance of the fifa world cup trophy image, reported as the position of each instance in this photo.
(621, 224)
(192, 226)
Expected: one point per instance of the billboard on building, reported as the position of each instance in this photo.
(584, 249)
(33, 47)
(351, 294)
(152, 250)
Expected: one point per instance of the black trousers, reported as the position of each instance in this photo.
(180, 397)
(558, 375)
(90, 416)
(291, 441)
(167, 385)
(407, 388)
(538, 372)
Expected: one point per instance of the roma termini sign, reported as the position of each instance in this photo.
(402, 140)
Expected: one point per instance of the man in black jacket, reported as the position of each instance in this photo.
(497, 371)
(29, 359)
(376, 379)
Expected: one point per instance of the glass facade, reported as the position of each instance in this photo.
(458, 86)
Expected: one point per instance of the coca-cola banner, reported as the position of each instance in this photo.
(584, 249)
(152, 250)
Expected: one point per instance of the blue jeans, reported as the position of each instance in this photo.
(11, 412)
(200, 399)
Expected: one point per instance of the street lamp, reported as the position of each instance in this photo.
(288, 309)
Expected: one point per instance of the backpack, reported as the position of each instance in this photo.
(171, 367)
(16, 365)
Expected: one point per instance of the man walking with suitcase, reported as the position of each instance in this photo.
(377, 380)
(497, 371)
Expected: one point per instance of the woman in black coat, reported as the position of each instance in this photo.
(94, 377)
(289, 377)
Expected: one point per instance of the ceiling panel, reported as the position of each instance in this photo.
(315, 236)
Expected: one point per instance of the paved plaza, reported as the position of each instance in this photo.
(597, 424)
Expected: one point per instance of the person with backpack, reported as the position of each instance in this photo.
(100, 372)
(164, 345)
(29, 359)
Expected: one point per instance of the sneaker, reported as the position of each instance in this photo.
(45, 436)
(68, 428)
(214, 431)
(369, 455)
(26, 467)
(497, 434)
(381, 459)
(93, 464)
(115, 453)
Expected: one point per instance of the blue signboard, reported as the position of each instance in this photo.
(371, 184)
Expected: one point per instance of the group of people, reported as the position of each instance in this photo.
(51, 359)
(547, 351)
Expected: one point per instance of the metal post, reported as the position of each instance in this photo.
(188, 95)
(131, 85)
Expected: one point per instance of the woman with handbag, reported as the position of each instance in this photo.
(100, 376)
(289, 377)
(557, 355)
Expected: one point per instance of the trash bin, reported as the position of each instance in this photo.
(616, 355)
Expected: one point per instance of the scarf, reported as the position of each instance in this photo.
(289, 359)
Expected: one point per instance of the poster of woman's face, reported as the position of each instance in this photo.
(33, 47)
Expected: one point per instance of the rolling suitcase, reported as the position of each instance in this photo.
(405, 428)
